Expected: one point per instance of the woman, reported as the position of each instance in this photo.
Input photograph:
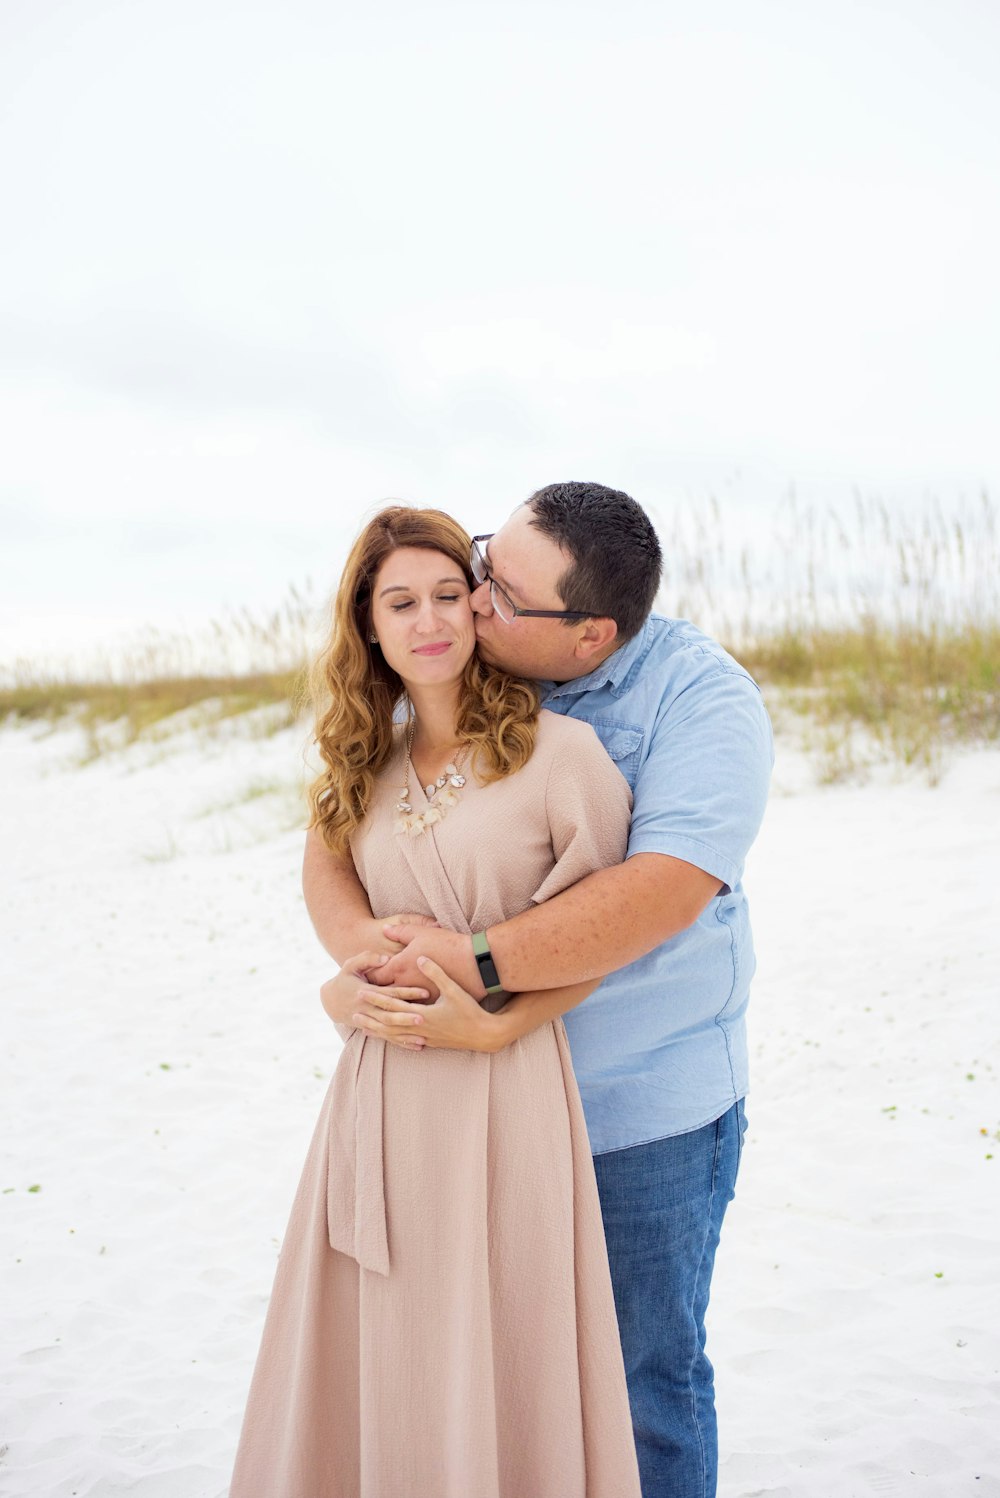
(442, 1322)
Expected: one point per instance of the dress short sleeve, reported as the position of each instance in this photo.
(588, 806)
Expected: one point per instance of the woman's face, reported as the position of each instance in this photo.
(421, 616)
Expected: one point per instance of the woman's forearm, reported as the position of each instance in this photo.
(337, 902)
(525, 1012)
(456, 1021)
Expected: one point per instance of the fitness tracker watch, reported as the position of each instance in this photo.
(488, 974)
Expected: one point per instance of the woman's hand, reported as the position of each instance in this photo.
(342, 1000)
(454, 1022)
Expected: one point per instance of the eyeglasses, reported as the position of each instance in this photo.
(503, 605)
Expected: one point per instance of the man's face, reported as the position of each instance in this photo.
(528, 566)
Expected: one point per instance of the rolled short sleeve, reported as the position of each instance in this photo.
(701, 790)
(587, 802)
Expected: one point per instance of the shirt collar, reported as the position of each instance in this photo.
(612, 673)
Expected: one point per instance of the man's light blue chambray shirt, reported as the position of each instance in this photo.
(660, 1047)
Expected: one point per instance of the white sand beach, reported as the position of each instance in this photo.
(165, 1055)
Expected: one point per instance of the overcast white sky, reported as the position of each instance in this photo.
(266, 264)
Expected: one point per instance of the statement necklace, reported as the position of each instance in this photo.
(442, 794)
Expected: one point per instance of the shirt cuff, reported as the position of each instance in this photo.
(675, 845)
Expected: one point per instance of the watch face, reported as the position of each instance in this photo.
(487, 971)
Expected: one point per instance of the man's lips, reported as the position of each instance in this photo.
(433, 649)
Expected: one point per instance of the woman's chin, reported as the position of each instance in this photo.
(437, 671)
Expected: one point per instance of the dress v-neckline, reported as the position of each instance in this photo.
(414, 778)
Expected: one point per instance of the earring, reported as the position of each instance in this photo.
(373, 640)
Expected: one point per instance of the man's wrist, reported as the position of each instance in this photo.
(500, 944)
(488, 975)
(466, 969)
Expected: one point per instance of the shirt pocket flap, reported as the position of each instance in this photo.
(623, 742)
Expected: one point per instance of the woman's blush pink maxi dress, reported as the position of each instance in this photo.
(442, 1323)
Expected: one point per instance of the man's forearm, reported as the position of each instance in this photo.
(604, 922)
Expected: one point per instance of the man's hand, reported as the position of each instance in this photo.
(370, 934)
(447, 949)
(342, 999)
(454, 1022)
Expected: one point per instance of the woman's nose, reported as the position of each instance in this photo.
(428, 616)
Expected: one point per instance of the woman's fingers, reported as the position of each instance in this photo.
(440, 977)
(393, 998)
(391, 1028)
(382, 1008)
(384, 1022)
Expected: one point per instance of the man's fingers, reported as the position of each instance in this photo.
(363, 963)
(406, 931)
(392, 976)
(403, 919)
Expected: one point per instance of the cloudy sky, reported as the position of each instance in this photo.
(266, 264)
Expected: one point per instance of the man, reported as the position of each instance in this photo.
(659, 1048)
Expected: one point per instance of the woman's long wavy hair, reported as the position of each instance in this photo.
(355, 692)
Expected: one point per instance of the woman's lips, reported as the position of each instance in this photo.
(433, 649)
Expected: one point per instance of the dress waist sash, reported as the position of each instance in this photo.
(355, 1194)
(352, 1121)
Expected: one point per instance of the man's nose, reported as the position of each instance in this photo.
(481, 601)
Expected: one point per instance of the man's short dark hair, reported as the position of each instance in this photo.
(615, 571)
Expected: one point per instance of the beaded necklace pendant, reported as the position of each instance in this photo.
(441, 795)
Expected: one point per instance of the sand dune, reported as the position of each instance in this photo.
(166, 1055)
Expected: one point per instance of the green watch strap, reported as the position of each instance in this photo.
(488, 974)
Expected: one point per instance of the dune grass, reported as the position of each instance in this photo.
(161, 681)
(876, 635)
(876, 632)
(881, 693)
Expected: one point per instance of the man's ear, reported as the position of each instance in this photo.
(596, 640)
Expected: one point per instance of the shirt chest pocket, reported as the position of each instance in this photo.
(623, 741)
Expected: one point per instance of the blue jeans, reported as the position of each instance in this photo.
(663, 1205)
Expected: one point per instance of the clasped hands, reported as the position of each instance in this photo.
(408, 998)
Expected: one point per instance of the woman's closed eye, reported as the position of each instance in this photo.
(397, 608)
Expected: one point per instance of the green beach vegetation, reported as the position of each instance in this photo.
(874, 633)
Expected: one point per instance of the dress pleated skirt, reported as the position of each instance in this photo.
(442, 1322)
